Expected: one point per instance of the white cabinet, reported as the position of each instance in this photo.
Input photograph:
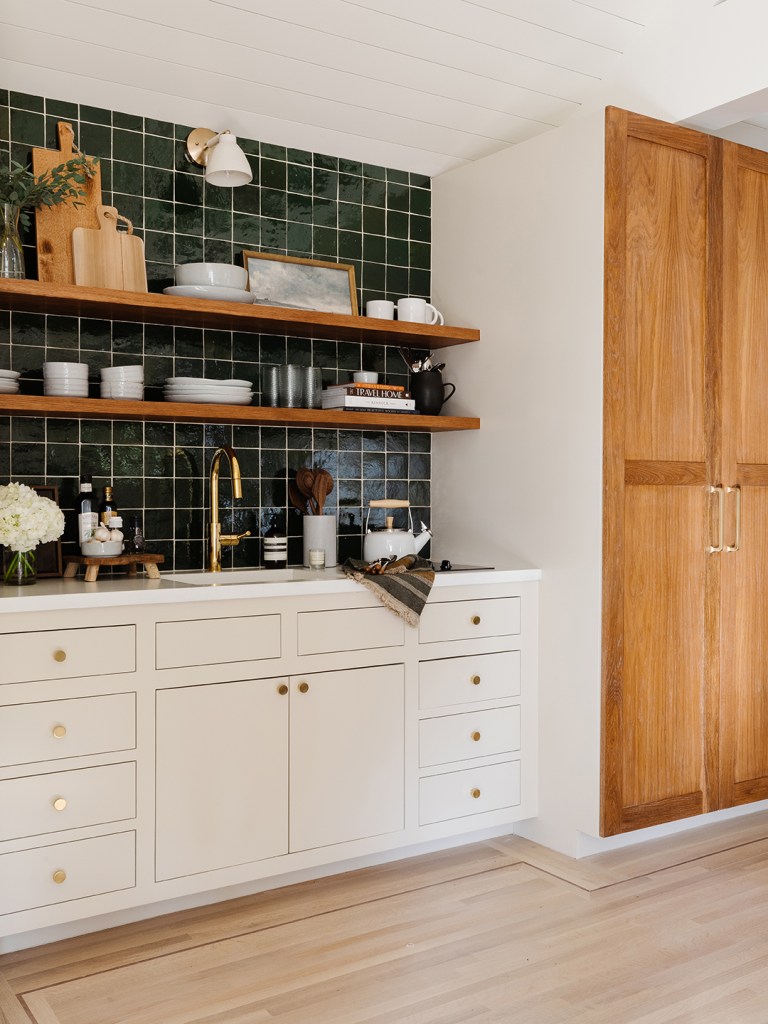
(226, 752)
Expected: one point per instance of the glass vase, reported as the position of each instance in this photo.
(19, 568)
(11, 252)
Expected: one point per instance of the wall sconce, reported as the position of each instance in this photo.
(226, 165)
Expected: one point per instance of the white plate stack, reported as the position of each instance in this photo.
(9, 382)
(123, 382)
(215, 392)
(66, 379)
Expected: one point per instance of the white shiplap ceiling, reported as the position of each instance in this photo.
(421, 84)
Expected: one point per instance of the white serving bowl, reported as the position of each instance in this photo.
(10, 374)
(77, 390)
(101, 548)
(79, 370)
(365, 377)
(118, 373)
(219, 275)
(129, 391)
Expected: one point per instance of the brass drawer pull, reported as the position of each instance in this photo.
(475, 680)
(475, 793)
(59, 655)
(59, 803)
(59, 876)
(282, 689)
(475, 736)
(303, 687)
(475, 620)
(59, 731)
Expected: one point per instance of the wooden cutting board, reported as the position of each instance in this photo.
(107, 258)
(55, 224)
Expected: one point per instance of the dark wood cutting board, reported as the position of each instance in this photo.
(55, 224)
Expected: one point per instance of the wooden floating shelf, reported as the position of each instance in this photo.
(108, 304)
(187, 412)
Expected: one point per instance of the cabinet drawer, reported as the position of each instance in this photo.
(67, 728)
(459, 794)
(86, 867)
(349, 629)
(462, 680)
(67, 653)
(475, 734)
(58, 801)
(217, 641)
(464, 620)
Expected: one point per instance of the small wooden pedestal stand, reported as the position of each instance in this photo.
(93, 564)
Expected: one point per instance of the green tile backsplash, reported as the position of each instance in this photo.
(299, 203)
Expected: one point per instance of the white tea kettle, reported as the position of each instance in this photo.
(389, 542)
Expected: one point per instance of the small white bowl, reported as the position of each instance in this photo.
(218, 275)
(365, 377)
(134, 373)
(79, 370)
(76, 390)
(101, 548)
(125, 391)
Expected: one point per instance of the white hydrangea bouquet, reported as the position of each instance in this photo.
(26, 520)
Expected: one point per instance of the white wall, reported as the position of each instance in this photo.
(518, 252)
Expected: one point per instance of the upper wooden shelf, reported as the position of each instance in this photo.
(108, 304)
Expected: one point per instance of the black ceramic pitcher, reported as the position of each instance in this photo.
(428, 391)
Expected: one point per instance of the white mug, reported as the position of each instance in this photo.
(380, 308)
(418, 311)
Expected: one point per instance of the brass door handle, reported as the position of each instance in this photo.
(59, 731)
(59, 804)
(303, 687)
(720, 492)
(737, 543)
(282, 689)
(59, 655)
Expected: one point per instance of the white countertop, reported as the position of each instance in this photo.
(61, 594)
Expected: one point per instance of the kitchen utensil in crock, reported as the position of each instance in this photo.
(321, 488)
(389, 542)
(305, 481)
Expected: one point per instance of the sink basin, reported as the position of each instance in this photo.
(232, 576)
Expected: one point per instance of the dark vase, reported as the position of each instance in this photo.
(428, 392)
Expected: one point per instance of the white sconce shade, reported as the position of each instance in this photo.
(226, 165)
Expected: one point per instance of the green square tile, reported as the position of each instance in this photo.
(299, 179)
(397, 280)
(158, 215)
(350, 188)
(397, 224)
(374, 192)
(419, 282)
(420, 181)
(158, 152)
(374, 220)
(51, 129)
(251, 147)
(421, 229)
(397, 252)
(25, 101)
(153, 127)
(62, 331)
(374, 171)
(127, 146)
(419, 254)
(299, 239)
(350, 245)
(130, 121)
(189, 219)
(325, 184)
(158, 183)
(62, 110)
(271, 152)
(246, 230)
(131, 207)
(189, 248)
(247, 199)
(27, 128)
(421, 201)
(273, 234)
(158, 247)
(188, 188)
(401, 177)
(299, 156)
(351, 167)
(374, 276)
(397, 196)
(95, 115)
(218, 224)
(350, 217)
(325, 241)
(329, 163)
(273, 203)
(96, 140)
(299, 208)
(273, 174)
(129, 178)
(324, 212)
(217, 198)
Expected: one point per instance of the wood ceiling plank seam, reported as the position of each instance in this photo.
(572, 19)
(633, 12)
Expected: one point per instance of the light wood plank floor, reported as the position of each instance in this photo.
(501, 931)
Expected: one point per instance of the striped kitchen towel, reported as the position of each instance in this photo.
(402, 584)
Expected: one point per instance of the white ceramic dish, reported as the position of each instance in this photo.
(8, 387)
(101, 548)
(232, 398)
(132, 373)
(201, 291)
(79, 370)
(199, 382)
(216, 275)
(63, 391)
(10, 374)
(134, 394)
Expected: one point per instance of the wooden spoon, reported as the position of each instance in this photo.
(322, 488)
(305, 481)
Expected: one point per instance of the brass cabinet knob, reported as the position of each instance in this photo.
(475, 736)
(475, 680)
(475, 793)
(59, 803)
(303, 687)
(59, 876)
(475, 620)
(59, 731)
(59, 655)
(282, 689)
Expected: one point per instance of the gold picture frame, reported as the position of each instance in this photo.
(288, 282)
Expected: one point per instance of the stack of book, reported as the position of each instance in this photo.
(368, 398)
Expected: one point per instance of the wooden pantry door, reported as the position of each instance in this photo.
(744, 639)
(660, 454)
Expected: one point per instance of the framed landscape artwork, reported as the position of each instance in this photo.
(315, 286)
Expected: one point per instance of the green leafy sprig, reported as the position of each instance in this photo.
(62, 184)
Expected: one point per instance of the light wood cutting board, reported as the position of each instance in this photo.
(55, 224)
(107, 258)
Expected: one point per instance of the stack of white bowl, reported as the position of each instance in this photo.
(221, 281)
(9, 382)
(70, 379)
(123, 382)
(215, 392)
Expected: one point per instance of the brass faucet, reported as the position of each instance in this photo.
(215, 537)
